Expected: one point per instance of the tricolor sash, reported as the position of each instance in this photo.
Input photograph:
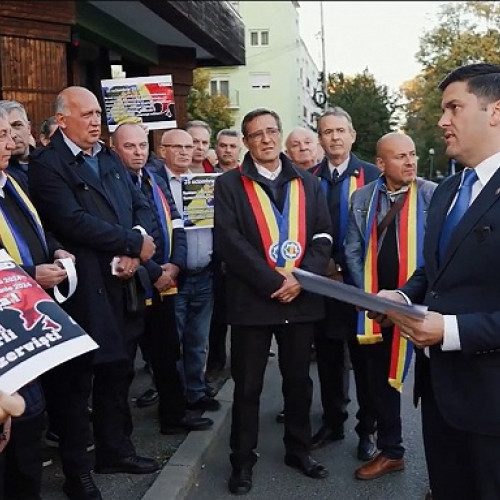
(410, 242)
(283, 235)
(348, 185)
(12, 238)
(165, 216)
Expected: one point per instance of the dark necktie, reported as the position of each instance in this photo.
(456, 213)
(335, 175)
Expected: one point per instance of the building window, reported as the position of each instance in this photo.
(304, 112)
(254, 38)
(219, 87)
(259, 37)
(260, 80)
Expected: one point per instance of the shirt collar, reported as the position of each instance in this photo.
(487, 168)
(267, 174)
(3, 180)
(341, 168)
(76, 150)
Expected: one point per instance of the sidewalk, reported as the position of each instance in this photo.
(181, 454)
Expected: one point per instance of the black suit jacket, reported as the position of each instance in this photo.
(340, 321)
(94, 220)
(466, 284)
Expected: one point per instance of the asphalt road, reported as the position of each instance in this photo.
(273, 480)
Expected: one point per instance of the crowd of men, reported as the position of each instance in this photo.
(145, 281)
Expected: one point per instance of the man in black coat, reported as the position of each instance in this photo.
(340, 173)
(86, 199)
(269, 219)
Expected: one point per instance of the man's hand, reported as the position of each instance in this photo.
(63, 254)
(49, 275)
(171, 269)
(148, 248)
(333, 273)
(126, 267)
(422, 333)
(288, 290)
(381, 318)
(164, 282)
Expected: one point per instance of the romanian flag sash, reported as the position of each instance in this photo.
(410, 241)
(283, 235)
(348, 185)
(165, 216)
(12, 239)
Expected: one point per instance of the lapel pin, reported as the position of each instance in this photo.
(356, 173)
(117, 175)
(497, 192)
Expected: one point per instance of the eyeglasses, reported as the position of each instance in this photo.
(178, 148)
(271, 132)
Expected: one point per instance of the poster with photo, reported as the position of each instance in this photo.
(198, 200)
(149, 99)
(35, 333)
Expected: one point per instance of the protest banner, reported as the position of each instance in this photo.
(198, 200)
(35, 333)
(149, 99)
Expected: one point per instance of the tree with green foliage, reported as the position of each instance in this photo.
(212, 109)
(372, 108)
(467, 32)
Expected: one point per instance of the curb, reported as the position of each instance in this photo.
(180, 472)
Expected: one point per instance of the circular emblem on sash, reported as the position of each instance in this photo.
(273, 252)
(291, 250)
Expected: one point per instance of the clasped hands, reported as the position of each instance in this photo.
(50, 275)
(127, 266)
(167, 278)
(421, 332)
(288, 290)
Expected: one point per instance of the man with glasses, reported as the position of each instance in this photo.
(270, 218)
(194, 301)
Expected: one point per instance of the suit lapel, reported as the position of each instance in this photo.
(488, 195)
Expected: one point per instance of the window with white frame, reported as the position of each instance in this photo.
(260, 80)
(219, 86)
(259, 38)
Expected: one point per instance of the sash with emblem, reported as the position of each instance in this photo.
(283, 235)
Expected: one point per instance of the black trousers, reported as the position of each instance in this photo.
(217, 356)
(333, 372)
(161, 344)
(67, 389)
(461, 465)
(386, 400)
(249, 356)
(21, 460)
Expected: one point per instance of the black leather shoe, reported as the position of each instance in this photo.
(366, 448)
(240, 481)
(187, 424)
(149, 398)
(307, 465)
(326, 435)
(205, 403)
(210, 391)
(130, 465)
(81, 487)
(280, 417)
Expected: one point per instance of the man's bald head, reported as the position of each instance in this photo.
(130, 141)
(301, 147)
(397, 158)
(78, 115)
(177, 150)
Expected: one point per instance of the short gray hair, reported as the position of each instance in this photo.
(11, 105)
(229, 132)
(336, 111)
(3, 114)
(60, 104)
(198, 123)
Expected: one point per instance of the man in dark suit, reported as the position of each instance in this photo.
(160, 337)
(457, 372)
(340, 173)
(263, 297)
(85, 197)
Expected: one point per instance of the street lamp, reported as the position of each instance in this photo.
(431, 162)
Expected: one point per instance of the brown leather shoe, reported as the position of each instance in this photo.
(379, 466)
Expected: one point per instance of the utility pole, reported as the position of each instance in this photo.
(325, 105)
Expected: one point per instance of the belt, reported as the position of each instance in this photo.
(200, 270)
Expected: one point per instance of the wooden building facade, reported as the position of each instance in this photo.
(47, 45)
